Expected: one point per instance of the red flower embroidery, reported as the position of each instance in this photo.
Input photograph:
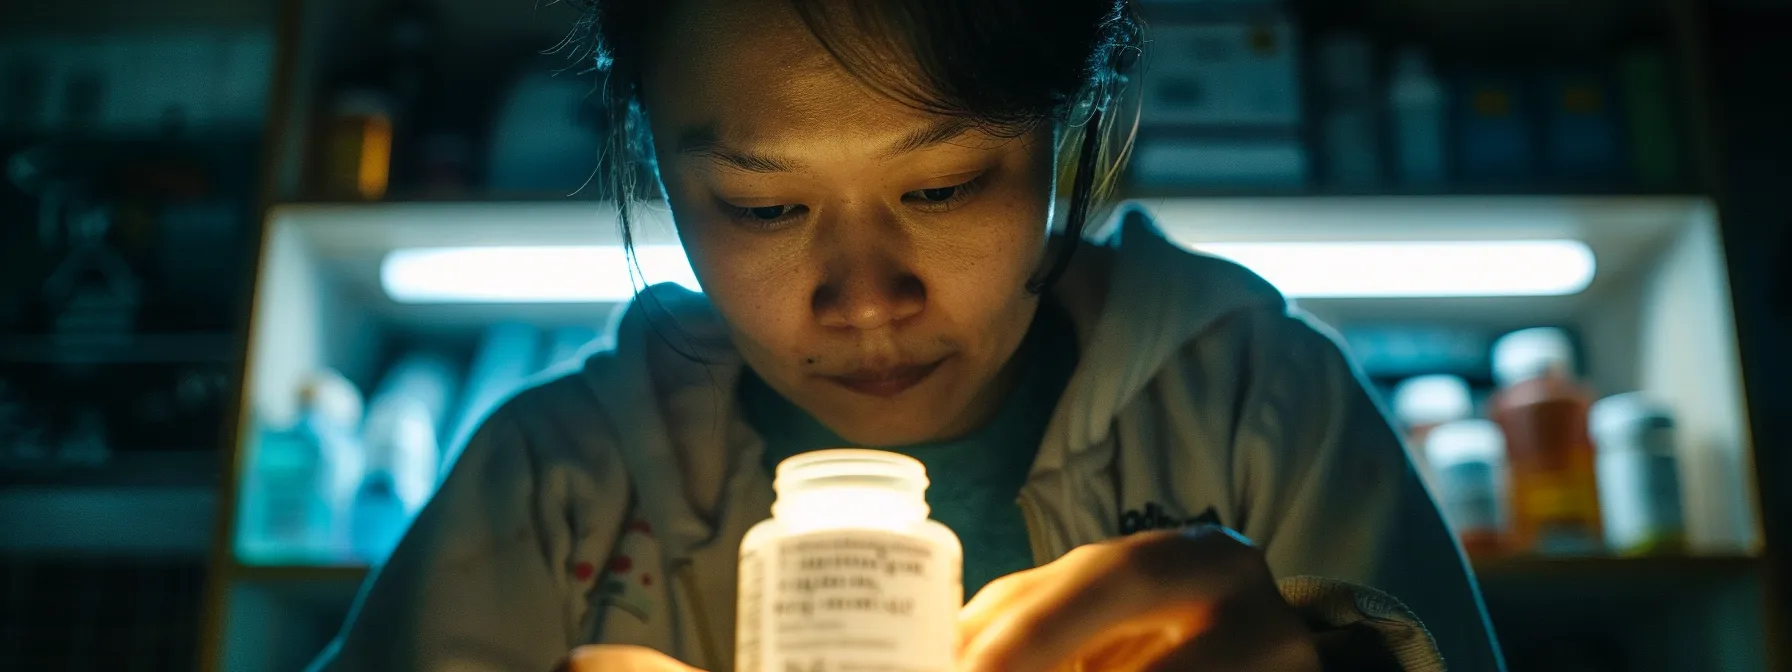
(621, 564)
(583, 571)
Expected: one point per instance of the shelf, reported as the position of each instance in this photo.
(1617, 568)
(111, 520)
(191, 348)
(184, 468)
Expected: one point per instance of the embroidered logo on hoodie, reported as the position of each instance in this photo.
(628, 581)
(1155, 517)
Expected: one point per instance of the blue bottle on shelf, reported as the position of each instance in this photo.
(401, 474)
(279, 505)
(507, 360)
(299, 486)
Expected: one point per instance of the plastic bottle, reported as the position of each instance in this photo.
(1639, 478)
(509, 355)
(1422, 403)
(301, 480)
(401, 474)
(1543, 412)
(409, 412)
(849, 572)
(1417, 102)
(1468, 459)
(428, 376)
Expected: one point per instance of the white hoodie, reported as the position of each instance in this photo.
(608, 506)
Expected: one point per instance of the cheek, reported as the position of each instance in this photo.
(759, 285)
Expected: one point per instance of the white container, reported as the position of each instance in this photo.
(1468, 460)
(1422, 403)
(1416, 101)
(1639, 478)
(849, 573)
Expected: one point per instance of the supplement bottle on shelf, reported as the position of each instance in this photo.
(1421, 404)
(1639, 477)
(1543, 412)
(1468, 464)
(849, 572)
(301, 479)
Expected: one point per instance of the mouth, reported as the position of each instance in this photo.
(886, 382)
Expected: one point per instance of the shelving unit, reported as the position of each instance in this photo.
(1658, 311)
(1659, 282)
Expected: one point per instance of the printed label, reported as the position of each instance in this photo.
(847, 601)
(1471, 497)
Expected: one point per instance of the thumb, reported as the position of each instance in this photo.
(611, 658)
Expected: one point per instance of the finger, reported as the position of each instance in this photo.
(1086, 593)
(995, 598)
(1243, 643)
(1166, 581)
(1137, 642)
(613, 658)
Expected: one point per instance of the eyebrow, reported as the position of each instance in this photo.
(704, 141)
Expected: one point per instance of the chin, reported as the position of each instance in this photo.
(884, 427)
(878, 435)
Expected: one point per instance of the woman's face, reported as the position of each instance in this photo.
(870, 259)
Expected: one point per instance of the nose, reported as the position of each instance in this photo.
(870, 281)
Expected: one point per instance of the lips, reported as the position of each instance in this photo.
(886, 382)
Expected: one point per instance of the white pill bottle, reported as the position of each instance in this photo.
(849, 574)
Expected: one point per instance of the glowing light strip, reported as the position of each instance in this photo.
(1410, 269)
(569, 274)
(1394, 269)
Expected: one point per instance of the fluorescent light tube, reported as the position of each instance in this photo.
(1411, 269)
(1392, 269)
(542, 274)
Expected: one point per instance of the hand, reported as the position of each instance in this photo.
(607, 658)
(1197, 599)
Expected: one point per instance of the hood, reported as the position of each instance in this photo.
(667, 385)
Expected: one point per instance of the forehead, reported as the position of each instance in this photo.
(751, 69)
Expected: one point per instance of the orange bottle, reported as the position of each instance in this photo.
(1543, 412)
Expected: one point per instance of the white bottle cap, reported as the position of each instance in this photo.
(1528, 353)
(1432, 399)
(1473, 440)
(1618, 421)
(332, 398)
(850, 487)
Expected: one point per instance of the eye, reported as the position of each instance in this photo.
(769, 213)
(764, 216)
(940, 199)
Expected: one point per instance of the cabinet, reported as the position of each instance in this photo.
(1655, 314)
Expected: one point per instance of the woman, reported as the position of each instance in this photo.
(865, 191)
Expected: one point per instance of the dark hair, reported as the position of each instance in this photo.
(1007, 65)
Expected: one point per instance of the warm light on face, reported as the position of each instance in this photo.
(1404, 269)
(550, 274)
